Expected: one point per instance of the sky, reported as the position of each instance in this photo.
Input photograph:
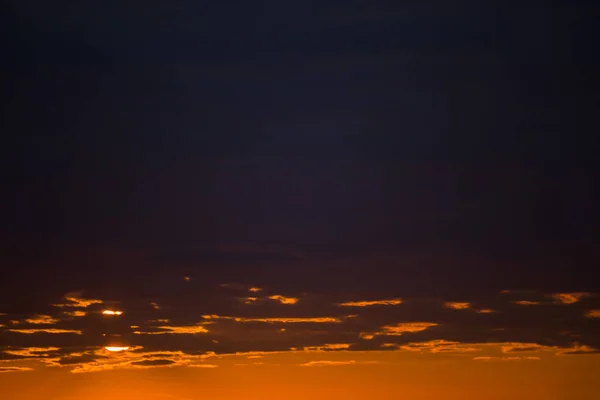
(334, 199)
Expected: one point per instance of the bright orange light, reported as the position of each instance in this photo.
(111, 312)
(116, 349)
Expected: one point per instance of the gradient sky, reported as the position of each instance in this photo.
(334, 199)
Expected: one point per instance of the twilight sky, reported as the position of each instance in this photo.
(357, 199)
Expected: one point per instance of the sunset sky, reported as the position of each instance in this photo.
(299, 199)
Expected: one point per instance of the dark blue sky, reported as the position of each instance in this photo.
(451, 144)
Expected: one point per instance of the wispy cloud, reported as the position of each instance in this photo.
(489, 358)
(514, 347)
(75, 300)
(15, 369)
(457, 305)
(49, 330)
(593, 314)
(42, 320)
(326, 363)
(369, 303)
(175, 330)
(32, 352)
(249, 300)
(577, 348)
(437, 346)
(75, 313)
(527, 303)
(283, 299)
(328, 347)
(405, 327)
(570, 298)
(281, 320)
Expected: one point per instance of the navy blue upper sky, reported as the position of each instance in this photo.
(347, 136)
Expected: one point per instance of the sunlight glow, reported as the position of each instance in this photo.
(115, 349)
(111, 312)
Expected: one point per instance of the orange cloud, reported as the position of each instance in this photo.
(485, 311)
(457, 305)
(526, 303)
(76, 313)
(593, 314)
(128, 360)
(487, 358)
(437, 346)
(283, 320)
(569, 298)
(390, 302)
(42, 320)
(32, 351)
(249, 300)
(283, 299)
(255, 289)
(524, 347)
(15, 369)
(53, 331)
(176, 330)
(577, 348)
(328, 347)
(405, 327)
(76, 300)
(334, 363)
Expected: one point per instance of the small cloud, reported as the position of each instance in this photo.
(328, 347)
(526, 303)
(369, 303)
(457, 305)
(570, 298)
(367, 335)
(75, 300)
(154, 363)
(255, 289)
(514, 347)
(32, 352)
(282, 320)
(577, 349)
(248, 300)
(283, 299)
(334, 363)
(75, 313)
(15, 369)
(49, 330)
(593, 314)
(405, 327)
(175, 330)
(155, 305)
(42, 320)
(187, 278)
(485, 311)
(437, 346)
(202, 366)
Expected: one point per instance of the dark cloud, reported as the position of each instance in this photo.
(151, 363)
